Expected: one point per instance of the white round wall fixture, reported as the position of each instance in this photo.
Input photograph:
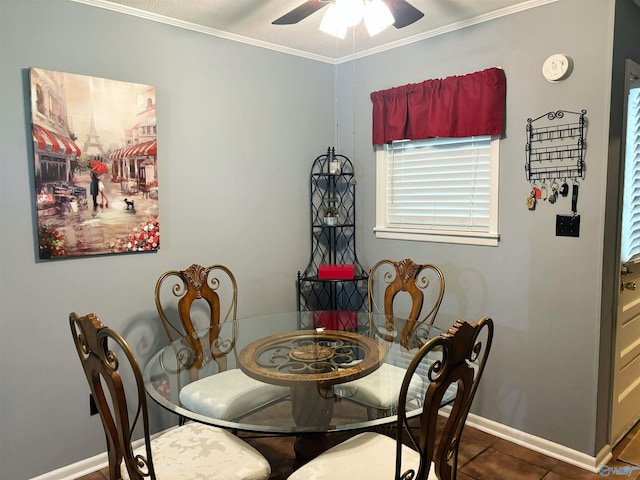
(557, 67)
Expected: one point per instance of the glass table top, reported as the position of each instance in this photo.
(299, 358)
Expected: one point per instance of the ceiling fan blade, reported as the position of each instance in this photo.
(403, 12)
(301, 12)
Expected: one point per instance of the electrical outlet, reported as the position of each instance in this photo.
(567, 225)
(93, 410)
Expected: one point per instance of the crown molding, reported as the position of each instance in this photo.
(115, 7)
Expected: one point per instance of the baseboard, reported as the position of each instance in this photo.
(540, 445)
(537, 444)
(78, 469)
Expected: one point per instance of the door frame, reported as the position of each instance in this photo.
(631, 68)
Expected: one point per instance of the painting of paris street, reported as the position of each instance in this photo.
(96, 171)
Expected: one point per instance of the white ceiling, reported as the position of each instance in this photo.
(249, 21)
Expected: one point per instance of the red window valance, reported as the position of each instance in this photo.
(458, 106)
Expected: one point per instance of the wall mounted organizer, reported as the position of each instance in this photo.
(554, 156)
(555, 151)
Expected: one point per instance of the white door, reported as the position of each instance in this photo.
(626, 381)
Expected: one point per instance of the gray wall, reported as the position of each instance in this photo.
(238, 128)
(543, 291)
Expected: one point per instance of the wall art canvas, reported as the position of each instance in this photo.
(96, 165)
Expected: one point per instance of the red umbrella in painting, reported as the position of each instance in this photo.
(99, 167)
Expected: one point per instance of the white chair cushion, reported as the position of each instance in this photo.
(229, 395)
(197, 451)
(381, 388)
(367, 456)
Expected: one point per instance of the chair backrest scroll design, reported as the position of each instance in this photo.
(199, 283)
(410, 277)
(464, 350)
(101, 365)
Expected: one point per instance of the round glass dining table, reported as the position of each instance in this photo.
(307, 354)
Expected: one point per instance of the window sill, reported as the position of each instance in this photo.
(461, 237)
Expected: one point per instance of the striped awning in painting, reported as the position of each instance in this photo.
(137, 150)
(52, 141)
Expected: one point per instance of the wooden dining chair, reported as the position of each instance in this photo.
(421, 450)
(202, 299)
(416, 290)
(181, 453)
(423, 286)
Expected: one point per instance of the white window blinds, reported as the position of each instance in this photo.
(631, 209)
(440, 183)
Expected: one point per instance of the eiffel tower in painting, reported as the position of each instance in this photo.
(93, 141)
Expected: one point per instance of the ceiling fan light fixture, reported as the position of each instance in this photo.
(348, 13)
(332, 22)
(351, 11)
(377, 17)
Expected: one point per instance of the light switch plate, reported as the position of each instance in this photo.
(567, 225)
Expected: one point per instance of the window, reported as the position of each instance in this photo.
(631, 205)
(438, 190)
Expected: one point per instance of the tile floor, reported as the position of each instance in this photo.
(481, 457)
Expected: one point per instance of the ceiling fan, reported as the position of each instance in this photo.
(403, 12)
